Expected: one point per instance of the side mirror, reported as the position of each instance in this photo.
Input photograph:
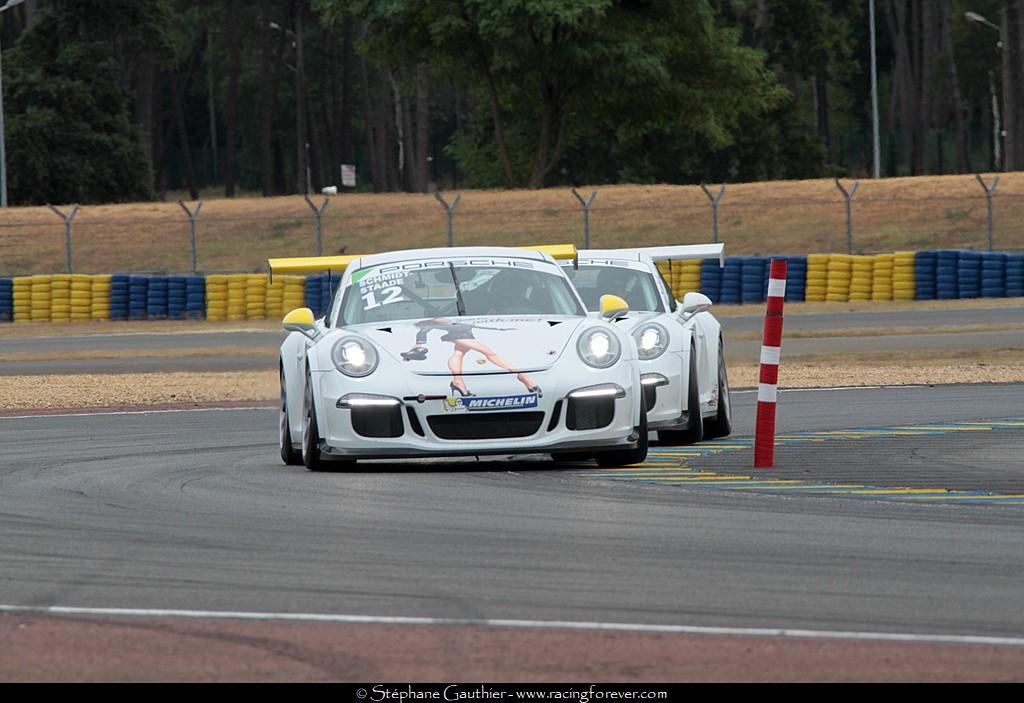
(300, 320)
(694, 303)
(612, 306)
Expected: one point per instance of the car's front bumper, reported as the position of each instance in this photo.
(412, 416)
(665, 382)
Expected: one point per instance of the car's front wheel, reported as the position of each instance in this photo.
(694, 430)
(721, 426)
(288, 454)
(625, 457)
(312, 457)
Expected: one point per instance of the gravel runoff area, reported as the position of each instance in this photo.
(203, 388)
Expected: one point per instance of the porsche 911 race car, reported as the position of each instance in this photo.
(679, 343)
(457, 352)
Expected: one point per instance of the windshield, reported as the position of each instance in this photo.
(452, 288)
(633, 285)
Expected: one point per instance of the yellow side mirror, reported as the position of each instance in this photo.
(612, 306)
(299, 320)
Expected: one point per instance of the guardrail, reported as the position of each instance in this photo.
(923, 275)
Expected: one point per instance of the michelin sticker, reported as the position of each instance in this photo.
(490, 403)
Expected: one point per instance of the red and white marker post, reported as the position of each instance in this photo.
(768, 383)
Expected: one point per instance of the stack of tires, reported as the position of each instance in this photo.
(294, 293)
(176, 297)
(838, 287)
(195, 297)
(217, 297)
(81, 298)
(21, 293)
(1014, 275)
(314, 294)
(40, 299)
(861, 277)
(753, 272)
(156, 298)
(947, 275)
(138, 297)
(256, 296)
(817, 278)
(903, 286)
(711, 279)
(969, 274)
(925, 274)
(100, 296)
(993, 274)
(120, 292)
(236, 296)
(60, 298)
(881, 277)
(686, 276)
(732, 281)
(796, 278)
(6, 300)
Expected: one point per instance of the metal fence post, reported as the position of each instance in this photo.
(67, 229)
(192, 215)
(450, 211)
(319, 212)
(714, 207)
(988, 197)
(586, 215)
(848, 195)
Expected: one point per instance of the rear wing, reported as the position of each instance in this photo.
(338, 264)
(309, 264)
(674, 253)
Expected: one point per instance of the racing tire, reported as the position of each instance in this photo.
(694, 430)
(721, 426)
(625, 457)
(311, 455)
(288, 454)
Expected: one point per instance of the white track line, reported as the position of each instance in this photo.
(136, 412)
(539, 624)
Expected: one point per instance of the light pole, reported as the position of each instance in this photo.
(997, 130)
(3, 140)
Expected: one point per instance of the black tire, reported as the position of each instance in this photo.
(625, 457)
(311, 455)
(694, 431)
(721, 426)
(284, 432)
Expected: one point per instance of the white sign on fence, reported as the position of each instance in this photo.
(348, 175)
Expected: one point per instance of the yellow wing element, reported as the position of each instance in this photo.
(555, 251)
(310, 264)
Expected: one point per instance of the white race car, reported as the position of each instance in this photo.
(679, 343)
(457, 352)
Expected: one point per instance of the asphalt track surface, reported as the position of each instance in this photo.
(194, 511)
(253, 349)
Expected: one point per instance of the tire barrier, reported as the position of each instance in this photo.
(711, 280)
(732, 281)
(945, 274)
(925, 266)
(753, 272)
(903, 276)
(1014, 275)
(861, 278)
(837, 289)
(969, 274)
(947, 285)
(993, 274)
(6, 300)
(817, 278)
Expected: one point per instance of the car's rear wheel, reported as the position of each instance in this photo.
(694, 430)
(625, 457)
(721, 426)
(288, 454)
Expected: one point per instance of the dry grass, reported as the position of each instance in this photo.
(755, 218)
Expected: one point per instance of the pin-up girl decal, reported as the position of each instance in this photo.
(460, 334)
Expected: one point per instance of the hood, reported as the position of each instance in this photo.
(521, 343)
(632, 318)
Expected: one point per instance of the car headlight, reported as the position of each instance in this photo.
(354, 357)
(599, 348)
(651, 340)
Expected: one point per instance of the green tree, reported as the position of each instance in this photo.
(554, 73)
(71, 134)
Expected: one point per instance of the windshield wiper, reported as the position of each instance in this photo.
(458, 293)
